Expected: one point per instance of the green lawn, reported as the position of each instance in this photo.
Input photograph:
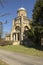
(3, 63)
(24, 50)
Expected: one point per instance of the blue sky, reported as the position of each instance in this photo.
(11, 7)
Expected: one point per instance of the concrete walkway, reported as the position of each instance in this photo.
(13, 58)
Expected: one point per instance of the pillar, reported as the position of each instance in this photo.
(11, 36)
(16, 36)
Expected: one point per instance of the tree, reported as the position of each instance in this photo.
(2, 3)
(38, 20)
(38, 12)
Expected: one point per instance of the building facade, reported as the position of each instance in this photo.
(19, 25)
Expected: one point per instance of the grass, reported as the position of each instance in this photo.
(23, 49)
(3, 63)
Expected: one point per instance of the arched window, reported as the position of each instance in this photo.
(17, 28)
(26, 28)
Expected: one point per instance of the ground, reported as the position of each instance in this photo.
(23, 50)
(3, 63)
(14, 58)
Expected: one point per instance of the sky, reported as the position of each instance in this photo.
(11, 7)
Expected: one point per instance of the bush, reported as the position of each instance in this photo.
(3, 42)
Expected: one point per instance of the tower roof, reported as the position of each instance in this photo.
(22, 11)
(21, 8)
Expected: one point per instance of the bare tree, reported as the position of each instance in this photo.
(2, 3)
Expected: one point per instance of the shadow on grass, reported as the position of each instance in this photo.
(39, 47)
(35, 47)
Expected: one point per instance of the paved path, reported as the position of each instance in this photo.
(13, 58)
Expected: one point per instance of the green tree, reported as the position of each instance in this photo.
(38, 20)
(38, 12)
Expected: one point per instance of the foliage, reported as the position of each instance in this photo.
(38, 12)
(31, 34)
(3, 42)
(38, 21)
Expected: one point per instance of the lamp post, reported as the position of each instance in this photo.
(21, 29)
(1, 29)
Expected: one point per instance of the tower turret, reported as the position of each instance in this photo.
(22, 12)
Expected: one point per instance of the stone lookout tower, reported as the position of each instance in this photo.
(20, 24)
